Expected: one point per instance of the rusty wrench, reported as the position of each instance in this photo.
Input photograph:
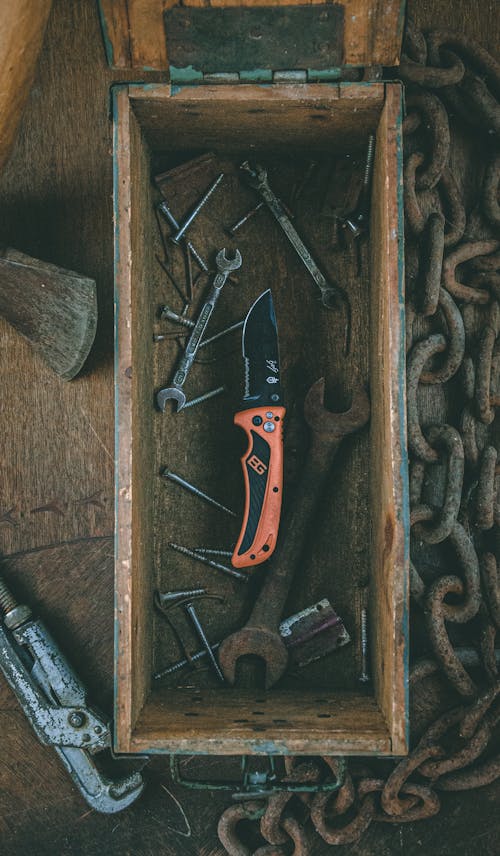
(260, 635)
(224, 268)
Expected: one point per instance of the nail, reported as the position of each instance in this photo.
(169, 596)
(364, 677)
(163, 207)
(168, 474)
(168, 313)
(204, 199)
(234, 228)
(206, 551)
(203, 639)
(222, 333)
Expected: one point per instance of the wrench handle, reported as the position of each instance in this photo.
(262, 466)
(198, 331)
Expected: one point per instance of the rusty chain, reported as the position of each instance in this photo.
(452, 254)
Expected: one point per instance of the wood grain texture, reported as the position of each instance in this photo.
(55, 309)
(202, 444)
(56, 205)
(21, 36)
(134, 30)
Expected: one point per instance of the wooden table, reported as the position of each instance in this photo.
(56, 447)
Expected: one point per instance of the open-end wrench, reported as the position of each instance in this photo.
(256, 177)
(176, 392)
(260, 636)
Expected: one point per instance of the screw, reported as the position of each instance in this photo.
(170, 315)
(236, 226)
(204, 397)
(221, 333)
(189, 607)
(176, 667)
(163, 207)
(206, 551)
(204, 199)
(169, 596)
(168, 474)
(356, 221)
(209, 562)
(364, 677)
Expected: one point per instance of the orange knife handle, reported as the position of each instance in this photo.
(263, 476)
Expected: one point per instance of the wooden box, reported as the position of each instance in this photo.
(360, 548)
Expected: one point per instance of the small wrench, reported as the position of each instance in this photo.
(224, 268)
(260, 636)
(256, 176)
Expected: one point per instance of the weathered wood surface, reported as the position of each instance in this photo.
(21, 36)
(134, 30)
(53, 308)
(57, 452)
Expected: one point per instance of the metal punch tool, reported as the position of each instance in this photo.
(176, 391)
(54, 700)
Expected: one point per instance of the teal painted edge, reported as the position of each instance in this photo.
(328, 74)
(108, 44)
(115, 90)
(404, 471)
(186, 76)
(190, 76)
(256, 75)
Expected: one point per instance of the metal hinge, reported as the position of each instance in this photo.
(189, 75)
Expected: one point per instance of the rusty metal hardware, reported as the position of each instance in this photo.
(196, 210)
(55, 702)
(255, 784)
(260, 635)
(206, 396)
(364, 676)
(453, 284)
(357, 222)
(165, 210)
(231, 230)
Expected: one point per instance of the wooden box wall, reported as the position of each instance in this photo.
(151, 118)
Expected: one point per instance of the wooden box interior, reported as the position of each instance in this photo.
(358, 552)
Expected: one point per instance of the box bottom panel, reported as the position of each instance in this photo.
(252, 722)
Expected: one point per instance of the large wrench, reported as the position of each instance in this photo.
(224, 268)
(260, 635)
(256, 177)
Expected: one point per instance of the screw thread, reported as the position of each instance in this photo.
(369, 159)
(7, 599)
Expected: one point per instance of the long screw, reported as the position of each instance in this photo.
(189, 607)
(356, 222)
(241, 222)
(181, 664)
(364, 677)
(207, 551)
(168, 474)
(204, 199)
(169, 596)
(205, 397)
(163, 207)
(185, 551)
(170, 315)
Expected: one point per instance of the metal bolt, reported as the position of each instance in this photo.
(209, 562)
(180, 664)
(204, 199)
(168, 474)
(205, 397)
(364, 677)
(7, 599)
(163, 207)
(170, 315)
(77, 719)
(236, 226)
(203, 639)
(356, 222)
